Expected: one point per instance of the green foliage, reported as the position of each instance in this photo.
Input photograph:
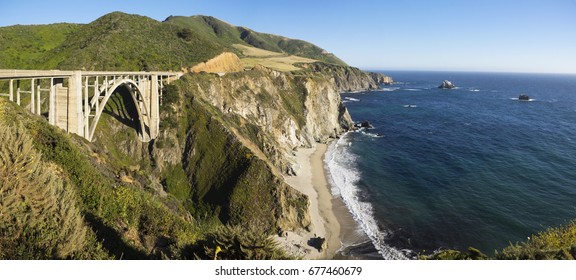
(119, 41)
(40, 217)
(471, 254)
(186, 34)
(235, 243)
(170, 97)
(176, 182)
(24, 46)
(553, 243)
(122, 220)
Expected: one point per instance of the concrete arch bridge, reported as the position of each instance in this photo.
(76, 99)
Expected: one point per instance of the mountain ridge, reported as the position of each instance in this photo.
(123, 41)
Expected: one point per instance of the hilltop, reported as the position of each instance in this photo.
(120, 41)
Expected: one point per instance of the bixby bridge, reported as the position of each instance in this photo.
(75, 100)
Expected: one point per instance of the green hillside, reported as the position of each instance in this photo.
(229, 35)
(119, 41)
(25, 46)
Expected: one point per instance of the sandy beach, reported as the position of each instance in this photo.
(330, 217)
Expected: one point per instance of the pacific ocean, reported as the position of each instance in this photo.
(471, 166)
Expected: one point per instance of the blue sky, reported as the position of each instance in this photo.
(488, 35)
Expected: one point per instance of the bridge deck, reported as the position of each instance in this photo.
(26, 74)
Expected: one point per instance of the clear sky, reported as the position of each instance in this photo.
(487, 35)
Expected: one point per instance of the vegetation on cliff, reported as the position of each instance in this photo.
(551, 244)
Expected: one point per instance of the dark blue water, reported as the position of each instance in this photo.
(471, 166)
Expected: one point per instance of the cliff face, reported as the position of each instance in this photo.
(230, 138)
(349, 79)
(381, 78)
(288, 111)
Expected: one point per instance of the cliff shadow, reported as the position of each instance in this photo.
(112, 241)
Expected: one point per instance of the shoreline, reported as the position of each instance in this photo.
(329, 215)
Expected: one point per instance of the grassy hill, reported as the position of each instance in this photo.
(230, 35)
(24, 46)
(119, 41)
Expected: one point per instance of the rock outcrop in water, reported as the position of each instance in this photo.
(446, 85)
(524, 97)
(381, 78)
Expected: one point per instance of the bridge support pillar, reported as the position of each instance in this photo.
(52, 100)
(67, 109)
(154, 108)
(75, 113)
(11, 90)
(32, 97)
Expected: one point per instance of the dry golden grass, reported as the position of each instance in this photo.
(274, 60)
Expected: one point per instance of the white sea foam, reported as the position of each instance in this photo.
(412, 89)
(517, 99)
(388, 89)
(344, 178)
(374, 135)
(352, 99)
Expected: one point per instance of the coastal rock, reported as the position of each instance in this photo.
(363, 124)
(446, 85)
(524, 97)
(349, 79)
(381, 78)
(319, 243)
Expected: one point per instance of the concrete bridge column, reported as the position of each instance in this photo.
(32, 95)
(18, 92)
(154, 108)
(38, 100)
(52, 103)
(75, 113)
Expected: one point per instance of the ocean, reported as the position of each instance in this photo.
(450, 169)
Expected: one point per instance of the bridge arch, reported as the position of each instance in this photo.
(140, 102)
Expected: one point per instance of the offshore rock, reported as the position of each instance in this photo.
(363, 124)
(446, 85)
(524, 97)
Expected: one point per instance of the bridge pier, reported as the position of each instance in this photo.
(11, 90)
(154, 108)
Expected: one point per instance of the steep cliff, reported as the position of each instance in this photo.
(278, 112)
(230, 138)
(348, 79)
